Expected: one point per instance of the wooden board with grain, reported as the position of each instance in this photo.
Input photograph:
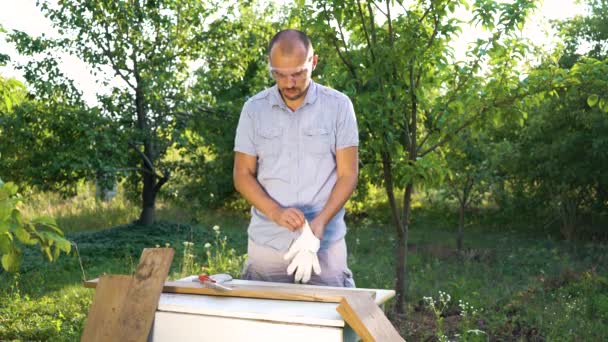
(366, 319)
(258, 291)
(131, 320)
(107, 303)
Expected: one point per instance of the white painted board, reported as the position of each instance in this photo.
(184, 317)
(171, 326)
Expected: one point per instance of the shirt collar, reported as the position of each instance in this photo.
(310, 98)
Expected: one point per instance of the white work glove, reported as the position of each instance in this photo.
(303, 251)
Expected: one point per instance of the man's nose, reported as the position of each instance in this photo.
(291, 81)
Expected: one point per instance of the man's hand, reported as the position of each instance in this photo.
(290, 218)
(303, 255)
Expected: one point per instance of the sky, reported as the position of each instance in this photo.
(23, 15)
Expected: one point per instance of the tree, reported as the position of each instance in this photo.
(560, 153)
(235, 68)
(148, 46)
(557, 155)
(3, 57)
(468, 171)
(590, 29)
(410, 96)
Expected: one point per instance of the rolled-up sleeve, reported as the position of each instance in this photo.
(244, 139)
(347, 133)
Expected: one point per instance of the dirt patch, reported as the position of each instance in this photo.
(421, 325)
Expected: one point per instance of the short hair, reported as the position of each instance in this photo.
(289, 38)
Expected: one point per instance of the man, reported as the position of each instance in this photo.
(296, 162)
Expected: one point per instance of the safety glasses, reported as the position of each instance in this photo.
(297, 73)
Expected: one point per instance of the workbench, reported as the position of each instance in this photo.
(190, 317)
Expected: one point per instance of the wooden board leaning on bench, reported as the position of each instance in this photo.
(256, 291)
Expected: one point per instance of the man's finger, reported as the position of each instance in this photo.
(300, 273)
(290, 254)
(292, 267)
(297, 216)
(307, 268)
(316, 267)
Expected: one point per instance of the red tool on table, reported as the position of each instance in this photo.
(214, 281)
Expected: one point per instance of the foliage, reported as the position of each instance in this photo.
(82, 212)
(148, 46)
(559, 154)
(467, 162)
(221, 259)
(235, 69)
(518, 282)
(12, 93)
(410, 94)
(4, 58)
(15, 230)
(217, 258)
(57, 316)
(438, 307)
(40, 129)
(585, 35)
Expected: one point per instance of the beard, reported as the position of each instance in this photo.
(294, 93)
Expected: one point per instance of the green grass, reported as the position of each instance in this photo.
(523, 285)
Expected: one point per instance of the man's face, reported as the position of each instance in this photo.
(292, 71)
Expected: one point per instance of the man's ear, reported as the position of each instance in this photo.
(315, 59)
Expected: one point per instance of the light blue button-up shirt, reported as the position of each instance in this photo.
(296, 156)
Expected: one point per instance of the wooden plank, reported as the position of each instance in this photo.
(257, 291)
(107, 303)
(135, 314)
(135, 319)
(366, 319)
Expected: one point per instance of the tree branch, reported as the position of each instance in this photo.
(379, 9)
(146, 160)
(468, 122)
(346, 62)
(461, 82)
(369, 43)
(108, 53)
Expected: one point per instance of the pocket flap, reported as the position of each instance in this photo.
(316, 131)
(270, 132)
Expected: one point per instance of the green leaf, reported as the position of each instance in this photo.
(6, 240)
(12, 260)
(604, 105)
(64, 245)
(592, 100)
(47, 222)
(23, 236)
(7, 207)
(4, 226)
(10, 188)
(47, 251)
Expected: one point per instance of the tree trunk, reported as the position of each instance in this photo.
(148, 196)
(401, 284)
(460, 235)
(151, 182)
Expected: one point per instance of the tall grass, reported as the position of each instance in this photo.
(82, 212)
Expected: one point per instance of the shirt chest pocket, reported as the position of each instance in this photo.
(269, 141)
(317, 141)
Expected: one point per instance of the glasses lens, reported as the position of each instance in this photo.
(297, 73)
